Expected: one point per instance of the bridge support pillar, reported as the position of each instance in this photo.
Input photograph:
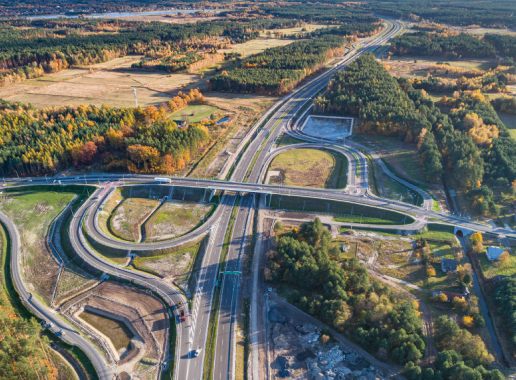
(171, 192)
(204, 196)
(211, 194)
(184, 194)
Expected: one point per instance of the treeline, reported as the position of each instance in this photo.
(433, 44)
(138, 140)
(470, 144)
(497, 14)
(506, 104)
(23, 58)
(504, 44)
(25, 353)
(505, 299)
(278, 70)
(462, 356)
(496, 80)
(343, 295)
(314, 13)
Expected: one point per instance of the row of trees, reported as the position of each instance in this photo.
(436, 45)
(463, 356)
(139, 140)
(505, 299)
(344, 296)
(280, 69)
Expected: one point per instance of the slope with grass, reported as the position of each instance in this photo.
(126, 220)
(173, 219)
(33, 213)
(310, 168)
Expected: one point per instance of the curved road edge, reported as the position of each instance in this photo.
(43, 312)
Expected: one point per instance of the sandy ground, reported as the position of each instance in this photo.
(121, 301)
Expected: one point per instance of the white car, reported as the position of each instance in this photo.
(197, 352)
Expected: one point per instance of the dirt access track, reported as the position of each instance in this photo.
(146, 315)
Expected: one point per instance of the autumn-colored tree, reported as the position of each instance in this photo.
(460, 304)
(430, 271)
(467, 321)
(325, 339)
(442, 297)
(504, 258)
(476, 238)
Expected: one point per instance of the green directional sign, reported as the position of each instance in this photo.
(231, 272)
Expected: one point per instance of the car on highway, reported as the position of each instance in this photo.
(46, 324)
(60, 333)
(197, 352)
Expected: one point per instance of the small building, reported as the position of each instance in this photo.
(343, 248)
(449, 265)
(493, 253)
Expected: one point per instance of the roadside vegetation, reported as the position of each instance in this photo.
(344, 296)
(33, 213)
(341, 211)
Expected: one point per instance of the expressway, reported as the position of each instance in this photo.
(192, 335)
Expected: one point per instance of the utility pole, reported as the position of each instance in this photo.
(135, 99)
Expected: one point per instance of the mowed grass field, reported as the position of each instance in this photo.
(311, 168)
(194, 113)
(510, 123)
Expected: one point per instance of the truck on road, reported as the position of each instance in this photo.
(162, 180)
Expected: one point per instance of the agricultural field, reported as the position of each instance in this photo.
(117, 332)
(310, 168)
(173, 219)
(33, 213)
(127, 218)
(108, 83)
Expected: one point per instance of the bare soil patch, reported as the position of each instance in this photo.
(128, 217)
